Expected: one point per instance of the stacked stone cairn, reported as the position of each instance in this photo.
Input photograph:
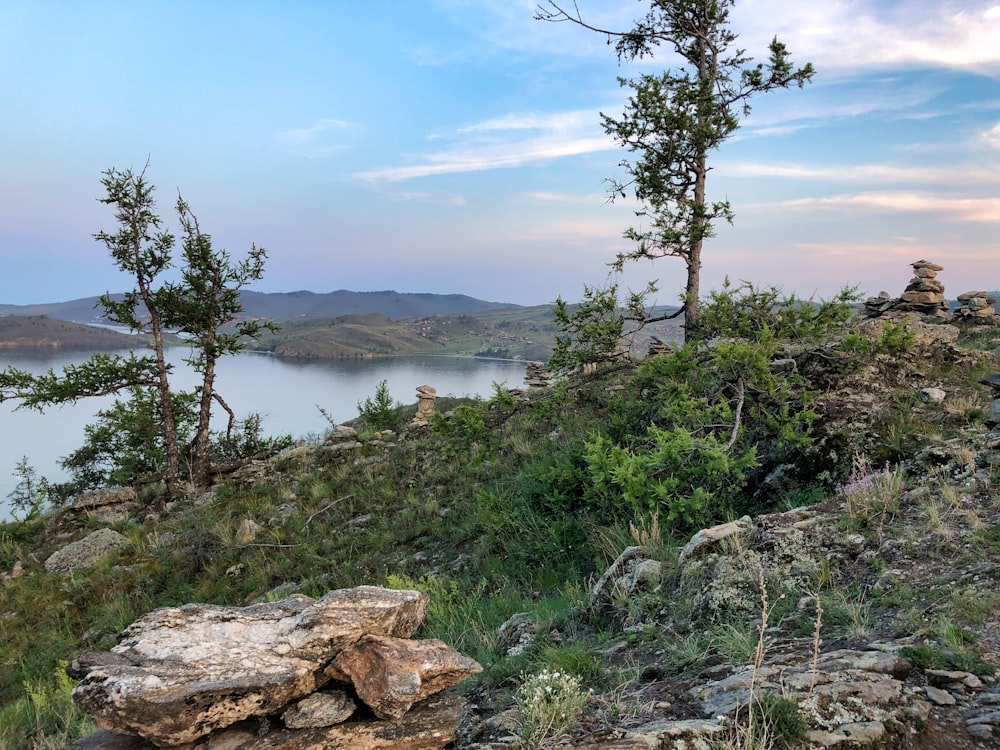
(426, 397)
(924, 294)
(976, 307)
(535, 375)
(658, 346)
(298, 673)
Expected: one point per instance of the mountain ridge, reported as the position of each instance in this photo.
(295, 304)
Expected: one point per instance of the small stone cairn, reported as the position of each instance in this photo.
(924, 294)
(975, 307)
(426, 396)
(658, 346)
(535, 375)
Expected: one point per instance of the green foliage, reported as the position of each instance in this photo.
(246, 439)
(893, 338)
(30, 493)
(594, 330)
(380, 412)
(755, 313)
(785, 726)
(126, 442)
(45, 717)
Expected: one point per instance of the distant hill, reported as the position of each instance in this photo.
(379, 336)
(41, 331)
(302, 304)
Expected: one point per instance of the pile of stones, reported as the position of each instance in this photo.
(296, 673)
(975, 306)
(535, 375)
(924, 294)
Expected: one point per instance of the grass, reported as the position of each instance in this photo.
(491, 513)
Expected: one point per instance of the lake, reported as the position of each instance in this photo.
(286, 393)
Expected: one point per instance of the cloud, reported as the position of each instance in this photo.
(944, 207)
(512, 140)
(992, 137)
(323, 138)
(857, 34)
(865, 173)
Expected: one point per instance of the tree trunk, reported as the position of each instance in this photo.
(201, 463)
(172, 473)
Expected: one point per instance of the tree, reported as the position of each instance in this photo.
(202, 304)
(207, 299)
(674, 119)
(142, 251)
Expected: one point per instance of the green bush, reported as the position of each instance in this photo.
(380, 412)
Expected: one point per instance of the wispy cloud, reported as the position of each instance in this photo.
(943, 207)
(321, 139)
(512, 140)
(866, 173)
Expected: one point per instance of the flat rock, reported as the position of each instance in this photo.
(186, 671)
(103, 496)
(430, 725)
(323, 709)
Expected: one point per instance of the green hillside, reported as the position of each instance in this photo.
(41, 331)
(847, 475)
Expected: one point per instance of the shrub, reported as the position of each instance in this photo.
(380, 412)
(872, 493)
(549, 704)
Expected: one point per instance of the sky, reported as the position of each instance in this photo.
(455, 146)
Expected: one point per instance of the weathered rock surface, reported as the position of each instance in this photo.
(86, 552)
(429, 725)
(391, 674)
(183, 672)
(323, 709)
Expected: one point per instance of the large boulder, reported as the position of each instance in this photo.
(86, 552)
(180, 673)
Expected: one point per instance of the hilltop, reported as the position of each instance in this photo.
(788, 532)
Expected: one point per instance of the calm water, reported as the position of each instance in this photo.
(286, 393)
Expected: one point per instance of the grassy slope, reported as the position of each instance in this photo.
(43, 332)
(467, 511)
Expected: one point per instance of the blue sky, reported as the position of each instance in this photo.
(454, 146)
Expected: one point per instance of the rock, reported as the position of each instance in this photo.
(391, 674)
(939, 697)
(107, 505)
(933, 395)
(429, 725)
(323, 709)
(714, 534)
(342, 433)
(516, 634)
(103, 497)
(87, 552)
(857, 734)
(187, 671)
(247, 531)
